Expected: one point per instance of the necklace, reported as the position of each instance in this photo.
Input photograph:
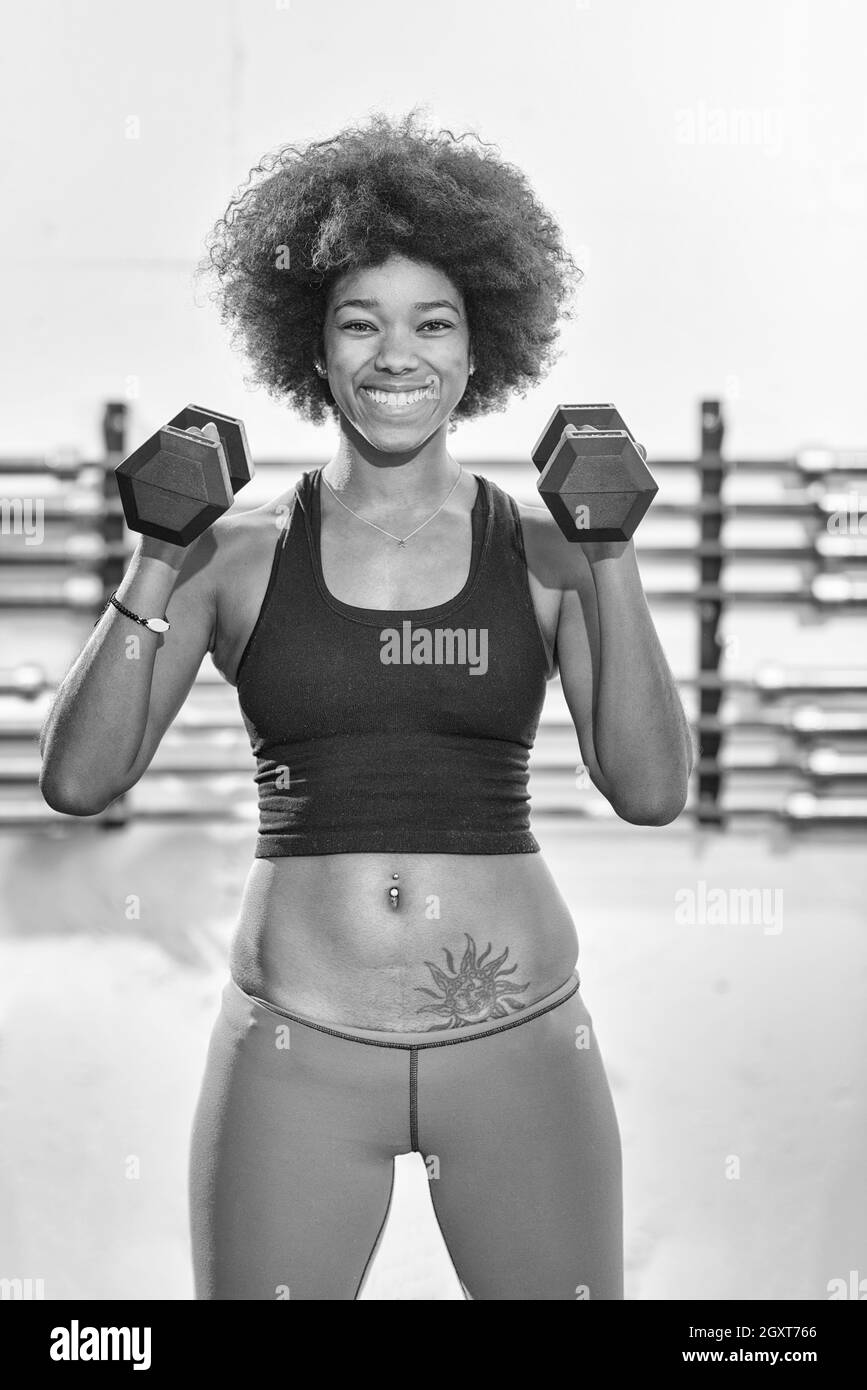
(400, 540)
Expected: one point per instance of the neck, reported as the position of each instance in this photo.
(362, 473)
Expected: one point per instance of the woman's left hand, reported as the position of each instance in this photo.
(607, 550)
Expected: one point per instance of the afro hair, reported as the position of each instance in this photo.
(309, 214)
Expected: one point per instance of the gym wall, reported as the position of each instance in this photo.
(709, 167)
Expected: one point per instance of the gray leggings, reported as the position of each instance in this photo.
(297, 1124)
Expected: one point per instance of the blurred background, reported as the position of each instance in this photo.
(709, 169)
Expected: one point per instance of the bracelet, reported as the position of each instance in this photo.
(152, 624)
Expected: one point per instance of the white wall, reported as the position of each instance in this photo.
(708, 165)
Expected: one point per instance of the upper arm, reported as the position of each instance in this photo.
(578, 662)
(562, 567)
(192, 613)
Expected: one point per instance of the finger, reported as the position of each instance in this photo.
(209, 431)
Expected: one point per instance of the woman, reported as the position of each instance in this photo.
(402, 977)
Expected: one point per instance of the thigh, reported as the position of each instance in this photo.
(290, 1159)
(528, 1184)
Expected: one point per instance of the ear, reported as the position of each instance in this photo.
(319, 357)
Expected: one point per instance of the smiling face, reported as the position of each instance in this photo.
(396, 351)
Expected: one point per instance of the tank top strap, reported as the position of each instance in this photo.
(295, 574)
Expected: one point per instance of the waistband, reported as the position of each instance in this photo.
(237, 1003)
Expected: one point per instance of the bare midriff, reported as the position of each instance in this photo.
(472, 936)
(467, 938)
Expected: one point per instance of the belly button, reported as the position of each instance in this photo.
(394, 893)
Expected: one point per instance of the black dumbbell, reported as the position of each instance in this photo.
(176, 484)
(594, 481)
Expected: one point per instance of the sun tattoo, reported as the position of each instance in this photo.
(474, 992)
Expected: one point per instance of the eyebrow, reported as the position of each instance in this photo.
(421, 304)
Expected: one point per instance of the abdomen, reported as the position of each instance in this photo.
(473, 937)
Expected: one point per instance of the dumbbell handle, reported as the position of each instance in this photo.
(607, 417)
(571, 430)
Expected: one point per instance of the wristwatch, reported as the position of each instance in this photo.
(152, 624)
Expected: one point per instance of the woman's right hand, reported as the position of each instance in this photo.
(166, 552)
(121, 694)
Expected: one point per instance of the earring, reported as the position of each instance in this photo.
(472, 369)
(320, 369)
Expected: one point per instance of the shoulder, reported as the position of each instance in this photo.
(228, 558)
(244, 548)
(237, 528)
(554, 561)
(241, 535)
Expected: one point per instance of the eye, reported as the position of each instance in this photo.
(357, 323)
(436, 323)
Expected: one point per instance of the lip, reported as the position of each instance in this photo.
(428, 392)
(403, 385)
(411, 386)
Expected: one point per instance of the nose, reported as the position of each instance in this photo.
(396, 353)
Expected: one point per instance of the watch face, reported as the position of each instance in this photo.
(158, 625)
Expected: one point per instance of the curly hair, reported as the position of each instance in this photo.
(309, 214)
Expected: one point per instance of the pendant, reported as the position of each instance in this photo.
(401, 542)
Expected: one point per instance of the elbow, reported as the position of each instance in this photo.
(70, 799)
(658, 811)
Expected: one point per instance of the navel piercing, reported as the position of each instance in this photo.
(394, 893)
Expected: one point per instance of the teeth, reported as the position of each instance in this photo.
(401, 400)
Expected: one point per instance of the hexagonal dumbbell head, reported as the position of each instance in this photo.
(601, 417)
(596, 486)
(233, 438)
(174, 486)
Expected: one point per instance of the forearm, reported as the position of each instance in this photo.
(641, 735)
(97, 721)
